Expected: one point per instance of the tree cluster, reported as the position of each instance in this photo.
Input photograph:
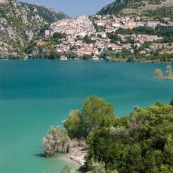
(160, 13)
(87, 39)
(48, 55)
(138, 30)
(141, 142)
(58, 36)
(95, 113)
(159, 74)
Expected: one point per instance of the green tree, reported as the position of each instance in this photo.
(87, 39)
(59, 35)
(54, 55)
(93, 113)
(102, 148)
(73, 124)
(70, 55)
(105, 54)
(168, 151)
(86, 57)
(132, 156)
(153, 161)
(171, 102)
(142, 142)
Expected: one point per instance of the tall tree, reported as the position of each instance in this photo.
(95, 111)
(73, 124)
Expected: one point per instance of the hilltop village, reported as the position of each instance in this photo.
(88, 37)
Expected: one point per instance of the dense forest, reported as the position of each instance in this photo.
(139, 143)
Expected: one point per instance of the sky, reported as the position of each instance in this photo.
(73, 8)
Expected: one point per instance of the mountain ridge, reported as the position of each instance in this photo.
(138, 7)
(52, 14)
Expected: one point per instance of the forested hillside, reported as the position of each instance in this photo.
(139, 7)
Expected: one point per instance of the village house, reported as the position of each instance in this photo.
(130, 24)
(143, 52)
(116, 24)
(126, 46)
(81, 26)
(14, 53)
(46, 34)
(141, 23)
(100, 22)
(152, 24)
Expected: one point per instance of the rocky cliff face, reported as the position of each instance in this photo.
(19, 24)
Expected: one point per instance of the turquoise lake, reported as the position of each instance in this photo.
(35, 94)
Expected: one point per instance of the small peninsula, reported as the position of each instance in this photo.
(107, 144)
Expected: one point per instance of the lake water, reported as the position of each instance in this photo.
(35, 94)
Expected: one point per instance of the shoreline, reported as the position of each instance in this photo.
(73, 164)
(110, 61)
(106, 60)
(164, 78)
(76, 155)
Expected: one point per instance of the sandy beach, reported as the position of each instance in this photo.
(76, 154)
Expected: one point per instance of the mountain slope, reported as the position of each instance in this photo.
(21, 22)
(48, 14)
(127, 7)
